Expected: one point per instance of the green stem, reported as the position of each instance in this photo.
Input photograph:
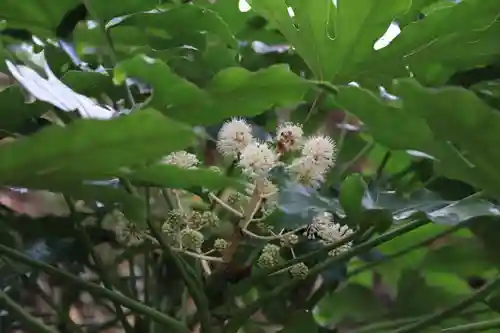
(167, 198)
(364, 247)
(99, 265)
(383, 164)
(31, 323)
(474, 327)
(384, 325)
(194, 288)
(263, 273)
(98, 291)
(132, 281)
(452, 310)
(147, 286)
(109, 45)
(365, 150)
(229, 172)
(240, 316)
(62, 316)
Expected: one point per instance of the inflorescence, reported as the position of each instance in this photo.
(305, 159)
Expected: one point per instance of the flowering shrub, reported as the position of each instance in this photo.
(271, 166)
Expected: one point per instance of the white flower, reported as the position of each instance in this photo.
(334, 232)
(307, 171)
(233, 137)
(320, 221)
(320, 150)
(182, 159)
(289, 137)
(257, 159)
(328, 232)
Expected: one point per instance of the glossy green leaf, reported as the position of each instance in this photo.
(93, 84)
(35, 15)
(42, 18)
(232, 92)
(352, 191)
(416, 8)
(430, 45)
(202, 20)
(301, 322)
(14, 110)
(416, 297)
(463, 257)
(297, 205)
(174, 177)
(473, 133)
(486, 229)
(353, 301)
(92, 148)
(423, 123)
(324, 35)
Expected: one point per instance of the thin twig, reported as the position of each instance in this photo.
(225, 205)
(99, 265)
(95, 289)
(31, 323)
(275, 237)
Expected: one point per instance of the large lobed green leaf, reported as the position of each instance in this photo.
(438, 122)
(92, 148)
(172, 23)
(456, 37)
(232, 92)
(173, 177)
(43, 17)
(324, 34)
(14, 110)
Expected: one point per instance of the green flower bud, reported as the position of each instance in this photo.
(289, 240)
(267, 260)
(195, 220)
(271, 249)
(191, 239)
(220, 244)
(175, 218)
(209, 219)
(299, 270)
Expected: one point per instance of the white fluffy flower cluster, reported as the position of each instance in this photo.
(182, 159)
(236, 141)
(329, 232)
(257, 159)
(233, 137)
(317, 156)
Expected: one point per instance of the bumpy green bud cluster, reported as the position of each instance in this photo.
(191, 239)
(175, 218)
(299, 271)
(209, 219)
(266, 260)
(220, 244)
(289, 240)
(195, 220)
(341, 249)
(269, 257)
